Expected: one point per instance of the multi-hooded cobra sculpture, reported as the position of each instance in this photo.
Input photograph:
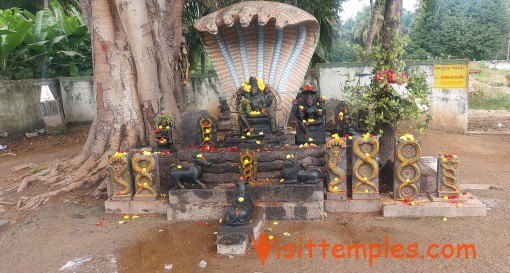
(272, 41)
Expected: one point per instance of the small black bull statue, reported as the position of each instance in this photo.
(294, 173)
(238, 214)
(190, 174)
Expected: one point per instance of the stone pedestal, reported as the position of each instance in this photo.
(120, 186)
(145, 173)
(259, 123)
(234, 240)
(365, 169)
(448, 176)
(464, 205)
(407, 172)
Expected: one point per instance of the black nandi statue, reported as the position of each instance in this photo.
(294, 173)
(190, 174)
(238, 214)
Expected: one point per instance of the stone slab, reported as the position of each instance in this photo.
(336, 196)
(293, 210)
(366, 196)
(235, 240)
(136, 207)
(353, 206)
(287, 192)
(196, 212)
(423, 207)
(199, 196)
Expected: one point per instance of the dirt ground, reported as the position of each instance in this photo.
(73, 234)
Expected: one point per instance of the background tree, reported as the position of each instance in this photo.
(473, 29)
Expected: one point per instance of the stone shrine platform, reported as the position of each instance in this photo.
(464, 205)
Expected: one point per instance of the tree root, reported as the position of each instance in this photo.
(89, 174)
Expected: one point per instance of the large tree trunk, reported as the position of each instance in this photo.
(387, 141)
(373, 25)
(135, 54)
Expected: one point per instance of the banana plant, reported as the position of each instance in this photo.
(13, 29)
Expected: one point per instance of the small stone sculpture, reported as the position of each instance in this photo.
(164, 124)
(238, 214)
(190, 174)
(308, 108)
(294, 173)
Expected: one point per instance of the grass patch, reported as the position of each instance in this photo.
(490, 76)
(488, 98)
(37, 169)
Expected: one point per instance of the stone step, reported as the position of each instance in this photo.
(196, 212)
(201, 196)
(353, 206)
(136, 207)
(287, 192)
(293, 210)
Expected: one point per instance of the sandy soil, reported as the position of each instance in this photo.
(74, 229)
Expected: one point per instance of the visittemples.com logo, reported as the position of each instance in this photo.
(310, 249)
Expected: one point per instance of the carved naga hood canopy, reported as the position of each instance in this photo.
(269, 40)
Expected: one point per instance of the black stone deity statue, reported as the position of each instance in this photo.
(238, 214)
(309, 110)
(253, 100)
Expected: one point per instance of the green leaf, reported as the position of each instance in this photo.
(6, 31)
(9, 42)
(41, 25)
(69, 25)
(38, 46)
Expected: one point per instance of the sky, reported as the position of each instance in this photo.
(351, 7)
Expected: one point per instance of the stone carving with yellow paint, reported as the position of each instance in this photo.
(365, 168)
(145, 175)
(407, 172)
(121, 183)
(336, 165)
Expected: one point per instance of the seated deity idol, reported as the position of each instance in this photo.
(164, 123)
(309, 110)
(253, 100)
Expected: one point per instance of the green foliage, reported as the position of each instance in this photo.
(36, 169)
(164, 116)
(487, 97)
(379, 103)
(50, 43)
(61, 129)
(473, 29)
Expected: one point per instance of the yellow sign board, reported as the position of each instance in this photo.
(451, 76)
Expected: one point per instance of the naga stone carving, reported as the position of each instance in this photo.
(294, 172)
(248, 165)
(407, 171)
(308, 108)
(146, 178)
(190, 174)
(336, 166)
(448, 175)
(207, 131)
(238, 214)
(120, 187)
(365, 168)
